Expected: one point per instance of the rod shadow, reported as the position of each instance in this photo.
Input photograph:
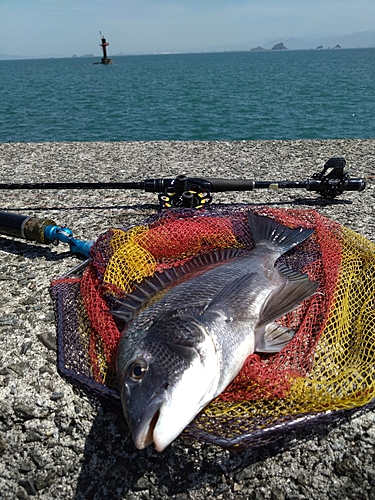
(32, 250)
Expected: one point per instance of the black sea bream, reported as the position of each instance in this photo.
(198, 324)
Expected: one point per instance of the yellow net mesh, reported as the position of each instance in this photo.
(130, 262)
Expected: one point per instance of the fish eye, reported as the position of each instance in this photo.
(137, 369)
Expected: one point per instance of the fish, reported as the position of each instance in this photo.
(190, 329)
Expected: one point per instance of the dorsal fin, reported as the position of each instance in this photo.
(267, 230)
(145, 291)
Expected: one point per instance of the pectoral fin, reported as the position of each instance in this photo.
(287, 296)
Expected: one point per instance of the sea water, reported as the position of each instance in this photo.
(307, 94)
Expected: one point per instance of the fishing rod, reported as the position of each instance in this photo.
(181, 191)
(184, 191)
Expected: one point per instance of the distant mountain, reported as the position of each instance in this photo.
(362, 39)
(279, 46)
(7, 57)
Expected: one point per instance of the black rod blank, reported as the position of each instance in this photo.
(213, 185)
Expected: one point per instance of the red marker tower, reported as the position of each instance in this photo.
(104, 45)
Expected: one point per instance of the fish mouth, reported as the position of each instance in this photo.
(143, 432)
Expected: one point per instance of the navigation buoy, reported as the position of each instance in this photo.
(104, 45)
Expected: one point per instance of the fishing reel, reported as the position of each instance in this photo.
(184, 192)
(333, 181)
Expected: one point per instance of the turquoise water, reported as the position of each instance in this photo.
(226, 96)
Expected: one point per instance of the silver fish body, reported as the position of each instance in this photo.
(198, 327)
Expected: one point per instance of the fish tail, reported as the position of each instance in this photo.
(266, 230)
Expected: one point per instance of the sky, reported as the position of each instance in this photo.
(67, 27)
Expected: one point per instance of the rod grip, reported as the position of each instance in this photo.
(219, 185)
(26, 227)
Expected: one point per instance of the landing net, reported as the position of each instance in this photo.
(328, 367)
